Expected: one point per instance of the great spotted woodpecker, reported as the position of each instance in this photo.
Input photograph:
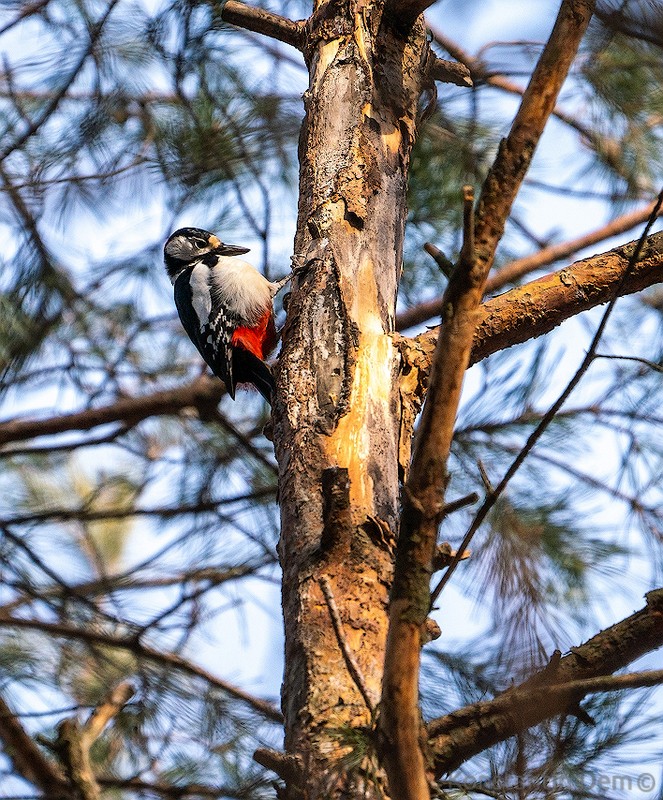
(225, 306)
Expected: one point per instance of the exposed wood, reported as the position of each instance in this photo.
(337, 410)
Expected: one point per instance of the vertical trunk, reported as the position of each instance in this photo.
(338, 413)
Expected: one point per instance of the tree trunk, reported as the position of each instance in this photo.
(338, 414)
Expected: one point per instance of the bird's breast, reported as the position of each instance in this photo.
(241, 288)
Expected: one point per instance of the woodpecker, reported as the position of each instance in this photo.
(225, 305)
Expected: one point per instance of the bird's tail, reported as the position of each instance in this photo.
(248, 368)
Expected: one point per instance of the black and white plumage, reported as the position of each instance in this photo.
(225, 305)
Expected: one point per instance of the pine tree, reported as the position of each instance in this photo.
(141, 506)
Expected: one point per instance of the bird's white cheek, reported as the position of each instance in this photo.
(201, 299)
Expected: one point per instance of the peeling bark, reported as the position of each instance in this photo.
(338, 409)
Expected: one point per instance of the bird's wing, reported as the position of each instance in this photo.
(213, 338)
(218, 334)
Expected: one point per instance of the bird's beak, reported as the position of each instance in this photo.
(231, 249)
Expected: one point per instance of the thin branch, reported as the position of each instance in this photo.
(462, 734)
(140, 650)
(548, 255)
(28, 10)
(636, 359)
(348, 656)
(172, 791)
(260, 21)
(84, 514)
(288, 766)
(480, 74)
(110, 707)
(535, 435)
(52, 105)
(523, 266)
(213, 577)
(74, 741)
(202, 394)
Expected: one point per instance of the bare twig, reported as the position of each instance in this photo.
(548, 255)
(289, 767)
(480, 74)
(28, 10)
(451, 72)
(348, 655)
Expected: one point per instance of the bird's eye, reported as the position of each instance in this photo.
(201, 243)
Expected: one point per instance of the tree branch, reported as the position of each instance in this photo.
(523, 266)
(540, 306)
(406, 11)
(74, 741)
(260, 21)
(202, 394)
(422, 511)
(423, 498)
(493, 494)
(451, 72)
(554, 690)
(27, 757)
(140, 650)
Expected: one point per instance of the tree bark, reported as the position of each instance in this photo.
(337, 413)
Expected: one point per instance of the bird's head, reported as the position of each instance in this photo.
(188, 246)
